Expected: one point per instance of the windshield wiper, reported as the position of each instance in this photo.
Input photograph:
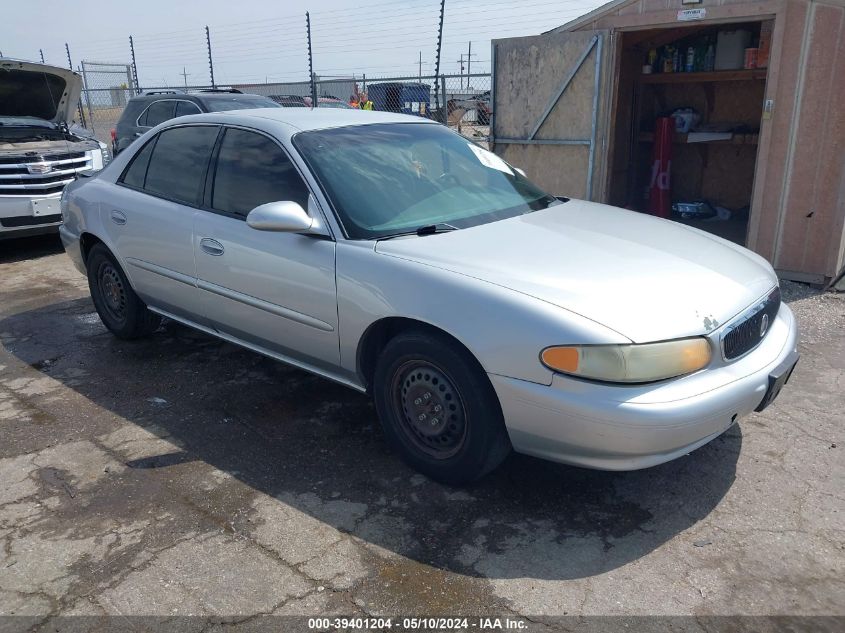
(425, 229)
(440, 227)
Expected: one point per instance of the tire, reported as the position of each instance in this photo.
(120, 309)
(465, 438)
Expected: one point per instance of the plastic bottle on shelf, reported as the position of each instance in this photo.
(667, 59)
(710, 58)
(690, 60)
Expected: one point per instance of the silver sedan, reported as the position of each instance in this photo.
(391, 255)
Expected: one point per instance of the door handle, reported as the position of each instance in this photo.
(118, 217)
(212, 247)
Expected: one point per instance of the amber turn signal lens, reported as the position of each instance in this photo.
(561, 358)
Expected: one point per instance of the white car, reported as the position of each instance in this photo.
(40, 150)
(389, 254)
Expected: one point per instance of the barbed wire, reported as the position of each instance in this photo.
(352, 39)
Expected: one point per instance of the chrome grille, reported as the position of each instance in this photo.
(17, 179)
(751, 328)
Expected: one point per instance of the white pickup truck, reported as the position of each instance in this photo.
(41, 150)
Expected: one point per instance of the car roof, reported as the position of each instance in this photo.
(191, 96)
(304, 119)
(225, 95)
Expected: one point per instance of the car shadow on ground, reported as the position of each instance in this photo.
(316, 446)
(20, 249)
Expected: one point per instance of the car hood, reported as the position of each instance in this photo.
(646, 278)
(46, 92)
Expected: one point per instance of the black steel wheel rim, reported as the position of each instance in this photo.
(429, 408)
(112, 292)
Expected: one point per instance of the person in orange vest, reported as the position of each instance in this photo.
(364, 103)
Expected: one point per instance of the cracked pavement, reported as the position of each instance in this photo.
(182, 475)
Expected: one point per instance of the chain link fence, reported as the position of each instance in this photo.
(460, 101)
(106, 89)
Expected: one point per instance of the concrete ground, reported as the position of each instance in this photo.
(182, 475)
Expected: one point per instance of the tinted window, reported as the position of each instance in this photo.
(177, 167)
(137, 170)
(159, 112)
(252, 170)
(184, 108)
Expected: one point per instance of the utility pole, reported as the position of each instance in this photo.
(185, 77)
(469, 63)
(210, 61)
(314, 102)
(41, 51)
(461, 62)
(134, 66)
(437, 62)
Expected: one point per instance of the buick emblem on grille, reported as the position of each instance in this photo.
(764, 325)
(39, 168)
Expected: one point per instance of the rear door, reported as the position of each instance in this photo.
(273, 290)
(150, 217)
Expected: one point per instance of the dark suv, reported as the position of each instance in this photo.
(151, 108)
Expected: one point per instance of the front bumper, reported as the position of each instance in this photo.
(612, 427)
(17, 219)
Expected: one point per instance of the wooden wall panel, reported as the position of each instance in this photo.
(775, 137)
(811, 212)
(530, 71)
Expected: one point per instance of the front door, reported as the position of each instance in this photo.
(273, 290)
(150, 217)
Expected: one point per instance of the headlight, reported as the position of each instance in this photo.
(629, 363)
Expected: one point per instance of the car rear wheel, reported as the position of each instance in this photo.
(438, 409)
(120, 309)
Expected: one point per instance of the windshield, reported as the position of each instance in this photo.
(238, 102)
(388, 179)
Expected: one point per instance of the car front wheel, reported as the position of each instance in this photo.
(438, 408)
(120, 309)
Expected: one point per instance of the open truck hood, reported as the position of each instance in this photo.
(648, 279)
(46, 92)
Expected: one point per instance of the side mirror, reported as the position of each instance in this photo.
(286, 216)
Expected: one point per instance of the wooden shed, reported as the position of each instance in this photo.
(576, 107)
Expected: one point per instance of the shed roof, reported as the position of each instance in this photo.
(605, 9)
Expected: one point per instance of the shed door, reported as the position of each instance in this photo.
(548, 117)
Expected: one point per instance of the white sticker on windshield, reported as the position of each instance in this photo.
(489, 159)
